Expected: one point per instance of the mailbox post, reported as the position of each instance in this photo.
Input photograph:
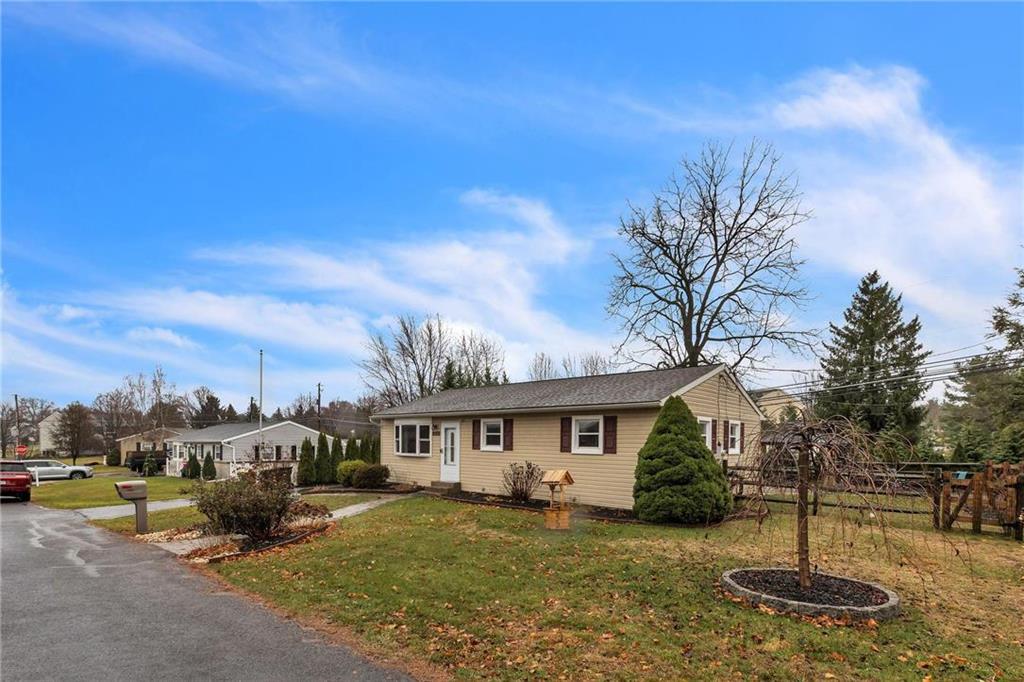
(135, 491)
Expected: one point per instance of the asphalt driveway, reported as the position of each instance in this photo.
(78, 602)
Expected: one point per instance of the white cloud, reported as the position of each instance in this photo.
(160, 335)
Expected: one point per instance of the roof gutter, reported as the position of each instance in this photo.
(518, 410)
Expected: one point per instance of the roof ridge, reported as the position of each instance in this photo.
(584, 376)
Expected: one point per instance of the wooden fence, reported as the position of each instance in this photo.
(982, 493)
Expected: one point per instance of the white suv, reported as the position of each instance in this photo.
(44, 469)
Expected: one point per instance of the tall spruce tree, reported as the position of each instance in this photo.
(307, 465)
(351, 448)
(872, 370)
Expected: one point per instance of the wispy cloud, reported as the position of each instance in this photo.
(160, 335)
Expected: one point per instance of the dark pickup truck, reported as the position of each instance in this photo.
(15, 480)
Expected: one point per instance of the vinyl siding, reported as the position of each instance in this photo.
(604, 480)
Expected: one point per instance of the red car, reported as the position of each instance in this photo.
(15, 480)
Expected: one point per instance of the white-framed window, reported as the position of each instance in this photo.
(705, 427)
(734, 438)
(492, 436)
(587, 435)
(412, 438)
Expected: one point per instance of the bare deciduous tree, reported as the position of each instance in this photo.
(75, 430)
(411, 363)
(542, 367)
(711, 273)
(586, 365)
(31, 411)
(114, 416)
(481, 359)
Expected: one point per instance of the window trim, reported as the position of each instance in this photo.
(417, 423)
(728, 444)
(575, 446)
(708, 435)
(500, 447)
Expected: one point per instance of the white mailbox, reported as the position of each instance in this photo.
(135, 491)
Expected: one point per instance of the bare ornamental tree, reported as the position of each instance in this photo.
(711, 271)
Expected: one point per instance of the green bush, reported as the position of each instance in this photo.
(149, 466)
(307, 464)
(351, 449)
(370, 476)
(1009, 445)
(252, 505)
(114, 458)
(677, 479)
(337, 456)
(209, 469)
(348, 468)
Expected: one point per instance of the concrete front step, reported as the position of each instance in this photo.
(443, 488)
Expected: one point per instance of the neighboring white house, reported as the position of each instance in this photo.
(47, 431)
(235, 446)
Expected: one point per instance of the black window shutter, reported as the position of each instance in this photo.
(476, 434)
(566, 444)
(725, 436)
(506, 432)
(714, 435)
(611, 434)
(743, 436)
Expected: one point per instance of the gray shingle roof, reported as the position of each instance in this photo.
(217, 433)
(640, 388)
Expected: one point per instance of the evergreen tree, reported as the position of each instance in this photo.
(364, 449)
(452, 377)
(324, 462)
(230, 415)
(209, 471)
(149, 466)
(351, 448)
(337, 455)
(307, 464)
(677, 478)
(253, 415)
(192, 467)
(277, 416)
(872, 347)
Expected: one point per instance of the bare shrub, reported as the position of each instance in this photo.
(253, 505)
(520, 480)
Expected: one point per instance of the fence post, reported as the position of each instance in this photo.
(936, 491)
(977, 488)
(947, 501)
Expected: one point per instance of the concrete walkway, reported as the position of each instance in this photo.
(116, 511)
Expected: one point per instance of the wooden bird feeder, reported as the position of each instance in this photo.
(556, 516)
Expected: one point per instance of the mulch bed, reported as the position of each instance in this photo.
(387, 488)
(825, 589)
(600, 513)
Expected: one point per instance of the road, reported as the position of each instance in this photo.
(78, 602)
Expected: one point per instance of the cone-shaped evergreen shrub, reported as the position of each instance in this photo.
(677, 479)
(307, 465)
(209, 470)
(193, 468)
(351, 449)
(337, 455)
(149, 466)
(324, 468)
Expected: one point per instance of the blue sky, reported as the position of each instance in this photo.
(184, 184)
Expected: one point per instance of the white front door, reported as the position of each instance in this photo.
(450, 452)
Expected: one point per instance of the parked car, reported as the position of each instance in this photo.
(15, 480)
(49, 469)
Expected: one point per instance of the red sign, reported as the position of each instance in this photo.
(22, 450)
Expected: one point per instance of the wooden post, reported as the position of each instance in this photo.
(947, 499)
(936, 491)
(977, 487)
(1018, 508)
(802, 544)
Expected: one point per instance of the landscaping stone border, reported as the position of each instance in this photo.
(890, 609)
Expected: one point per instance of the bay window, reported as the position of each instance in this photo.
(412, 438)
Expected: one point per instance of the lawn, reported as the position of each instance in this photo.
(190, 516)
(478, 592)
(99, 491)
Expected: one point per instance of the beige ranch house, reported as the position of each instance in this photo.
(593, 426)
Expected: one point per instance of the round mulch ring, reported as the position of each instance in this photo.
(829, 595)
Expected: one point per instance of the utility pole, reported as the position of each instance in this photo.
(17, 426)
(319, 390)
(261, 406)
